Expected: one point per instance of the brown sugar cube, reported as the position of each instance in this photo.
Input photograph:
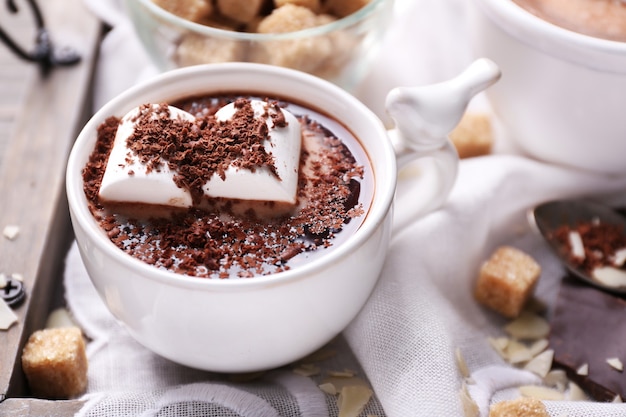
(196, 49)
(194, 10)
(55, 363)
(507, 280)
(313, 5)
(473, 136)
(242, 11)
(304, 54)
(289, 18)
(343, 8)
(521, 407)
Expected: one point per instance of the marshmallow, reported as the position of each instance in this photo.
(126, 179)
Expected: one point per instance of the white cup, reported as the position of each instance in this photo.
(242, 325)
(562, 97)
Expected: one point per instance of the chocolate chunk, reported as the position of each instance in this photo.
(589, 327)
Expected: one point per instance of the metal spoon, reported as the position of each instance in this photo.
(547, 217)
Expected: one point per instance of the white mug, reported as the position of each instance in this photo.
(562, 97)
(243, 325)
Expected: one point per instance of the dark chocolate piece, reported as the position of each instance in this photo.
(588, 327)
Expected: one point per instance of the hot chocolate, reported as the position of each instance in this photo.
(222, 237)
(599, 18)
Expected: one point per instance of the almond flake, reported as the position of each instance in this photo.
(462, 365)
(619, 257)
(352, 400)
(576, 245)
(610, 276)
(328, 388)
(541, 393)
(528, 326)
(517, 352)
(499, 345)
(583, 369)
(11, 231)
(538, 346)
(615, 363)
(59, 317)
(470, 408)
(7, 316)
(17, 277)
(3, 280)
(576, 393)
(541, 364)
(556, 378)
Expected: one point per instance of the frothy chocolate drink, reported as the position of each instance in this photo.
(218, 237)
(599, 18)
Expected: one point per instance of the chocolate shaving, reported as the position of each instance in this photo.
(196, 151)
(219, 238)
(600, 241)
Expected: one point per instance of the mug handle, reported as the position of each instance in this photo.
(424, 116)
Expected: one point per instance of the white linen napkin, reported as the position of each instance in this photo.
(421, 311)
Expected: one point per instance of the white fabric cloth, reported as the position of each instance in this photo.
(422, 310)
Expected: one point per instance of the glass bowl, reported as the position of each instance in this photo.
(339, 51)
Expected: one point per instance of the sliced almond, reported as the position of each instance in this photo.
(538, 346)
(576, 393)
(619, 257)
(517, 352)
(556, 378)
(3, 280)
(615, 363)
(541, 364)
(541, 393)
(583, 369)
(576, 244)
(17, 277)
(352, 400)
(499, 344)
(328, 388)
(11, 231)
(461, 364)
(528, 326)
(59, 317)
(610, 276)
(470, 408)
(7, 316)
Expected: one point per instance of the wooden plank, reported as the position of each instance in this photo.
(20, 407)
(40, 133)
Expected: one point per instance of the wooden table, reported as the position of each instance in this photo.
(39, 119)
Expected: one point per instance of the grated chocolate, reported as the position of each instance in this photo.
(221, 238)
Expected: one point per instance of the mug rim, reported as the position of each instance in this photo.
(383, 195)
(205, 30)
(553, 39)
